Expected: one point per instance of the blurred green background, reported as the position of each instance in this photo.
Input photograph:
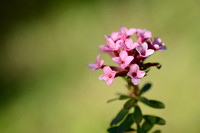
(45, 46)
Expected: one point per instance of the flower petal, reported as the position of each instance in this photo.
(131, 32)
(135, 45)
(110, 43)
(116, 60)
(135, 81)
(97, 59)
(93, 66)
(149, 52)
(110, 81)
(130, 74)
(123, 54)
(101, 63)
(120, 43)
(144, 46)
(129, 44)
(128, 60)
(123, 30)
(134, 68)
(114, 36)
(140, 74)
(103, 77)
(107, 70)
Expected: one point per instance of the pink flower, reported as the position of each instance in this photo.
(97, 65)
(126, 32)
(143, 50)
(144, 34)
(114, 36)
(123, 60)
(128, 44)
(108, 75)
(135, 74)
(158, 45)
(112, 45)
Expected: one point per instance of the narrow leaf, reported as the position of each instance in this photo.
(130, 129)
(123, 97)
(159, 120)
(130, 103)
(145, 88)
(148, 123)
(152, 103)
(119, 117)
(156, 104)
(111, 100)
(113, 130)
(137, 115)
(126, 124)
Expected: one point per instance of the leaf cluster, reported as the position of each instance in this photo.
(126, 118)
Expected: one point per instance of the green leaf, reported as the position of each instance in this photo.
(145, 88)
(157, 131)
(119, 117)
(130, 103)
(156, 104)
(123, 97)
(137, 115)
(159, 120)
(152, 103)
(130, 129)
(126, 124)
(111, 100)
(113, 130)
(148, 123)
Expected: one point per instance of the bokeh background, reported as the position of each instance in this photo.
(45, 46)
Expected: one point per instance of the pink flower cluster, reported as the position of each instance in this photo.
(129, 54)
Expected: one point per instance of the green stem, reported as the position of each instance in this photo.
(138, 128)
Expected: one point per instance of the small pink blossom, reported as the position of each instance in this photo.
(97, 65)
(135, 74)
(144, 34)
(114, 36)
(112, 45)
(128, 44)
(126, 32)
(158, 44)
(143, 50)
(108, 75)
(123, 60)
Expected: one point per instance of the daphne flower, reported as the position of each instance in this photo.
(126, 32)
(108, 75)
(98, 64)
(158, 45)
(143, 50)
(123, 60)
(135, 74)
(114, 36)
(128, 44)
(112, 45)
(144, 34)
